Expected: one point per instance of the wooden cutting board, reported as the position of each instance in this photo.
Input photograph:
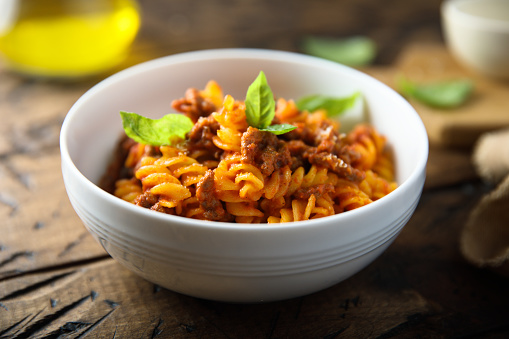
(486, 110)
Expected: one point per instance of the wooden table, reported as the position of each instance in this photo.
(55, 280)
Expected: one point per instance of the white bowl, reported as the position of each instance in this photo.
(477, 33)
(226, 261)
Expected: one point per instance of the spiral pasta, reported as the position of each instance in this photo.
(376, 186)
(232, 120)
(226, 170)
(368, 143)
(127, 189)
(160, 184)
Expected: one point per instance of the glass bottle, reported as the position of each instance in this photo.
(66, 38)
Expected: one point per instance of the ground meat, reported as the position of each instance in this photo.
(296, 147)
(158, 208)
(200, 136)
(317, 190)
(325, 138)
(152, 151)
(336, 165)
(302, 132)
(205, 192)
(348, 154)
(193, 105)
(328, 139)
(116, 169)
(264, 150)
(298, 150)
(146, 200)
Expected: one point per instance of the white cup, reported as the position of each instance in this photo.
(477, 34)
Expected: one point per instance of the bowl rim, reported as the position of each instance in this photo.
(452, 12)
(239, 53)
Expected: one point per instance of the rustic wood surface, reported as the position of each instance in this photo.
(485, 109)
(56, 281)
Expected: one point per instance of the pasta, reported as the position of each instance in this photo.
(227, 170)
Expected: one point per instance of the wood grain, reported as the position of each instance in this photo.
(420, 285)
(39, 227)
(460, 127)
(77, 301)
(56, 281)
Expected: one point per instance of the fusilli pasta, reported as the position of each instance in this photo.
(226, 170)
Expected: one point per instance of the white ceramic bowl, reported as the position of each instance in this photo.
(477, 33)
(226, 261)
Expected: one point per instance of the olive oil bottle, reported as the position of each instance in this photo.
(66, 38)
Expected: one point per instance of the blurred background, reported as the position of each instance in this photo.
(176, 26)
(57, 29)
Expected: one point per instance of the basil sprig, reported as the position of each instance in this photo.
(334, 106)
(444, 94)
(261, 107)
(260, 103)
(165, 131)
(260, 111)
(353, 51)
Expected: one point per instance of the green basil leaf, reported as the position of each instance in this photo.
(260, 103)
(279, 128)
(445, 94)
(334, 106)
(354, 51)
(164, 131)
